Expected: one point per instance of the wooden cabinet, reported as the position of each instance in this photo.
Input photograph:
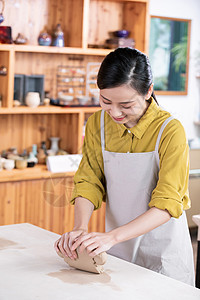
(84, 22)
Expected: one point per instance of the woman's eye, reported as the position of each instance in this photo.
(127, 107)
(106, 102)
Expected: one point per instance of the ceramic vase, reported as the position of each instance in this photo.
(54, 144)
(58, 38)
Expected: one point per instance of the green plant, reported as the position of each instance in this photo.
(180, 54)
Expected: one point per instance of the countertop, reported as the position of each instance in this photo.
(30, 269)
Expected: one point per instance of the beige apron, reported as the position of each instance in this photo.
(130, 180)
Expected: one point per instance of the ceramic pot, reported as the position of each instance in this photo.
(44, 39)
(9, 164)
(32, 99)
(21, 164)
(41, 156)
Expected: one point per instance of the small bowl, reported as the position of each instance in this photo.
(63, 97)
(82, 100)
(121, 33)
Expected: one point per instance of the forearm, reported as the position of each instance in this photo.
(146, 222)
(82, 213)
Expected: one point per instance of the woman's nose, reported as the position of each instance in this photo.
(115, 111)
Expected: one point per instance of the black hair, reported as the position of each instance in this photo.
(126, 66)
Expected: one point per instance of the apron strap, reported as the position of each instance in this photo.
(102, 131)
(159, 137)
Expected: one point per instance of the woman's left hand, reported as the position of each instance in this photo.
(94, 242)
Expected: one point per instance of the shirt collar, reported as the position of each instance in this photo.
(139, 129)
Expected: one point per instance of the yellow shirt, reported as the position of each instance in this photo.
(171, 191)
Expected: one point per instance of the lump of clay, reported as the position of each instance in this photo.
(87, 263)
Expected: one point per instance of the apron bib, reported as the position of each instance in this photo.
(130, 180)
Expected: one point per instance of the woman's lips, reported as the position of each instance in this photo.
(119, 119)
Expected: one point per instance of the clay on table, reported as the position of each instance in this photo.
(87, 263)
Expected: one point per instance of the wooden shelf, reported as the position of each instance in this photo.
(48, 110)
(37, 172)
(54, 50)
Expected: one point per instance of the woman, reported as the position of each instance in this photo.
(135, 157)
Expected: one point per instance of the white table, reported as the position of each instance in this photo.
(30, 269)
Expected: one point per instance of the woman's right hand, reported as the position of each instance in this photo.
(64, 243)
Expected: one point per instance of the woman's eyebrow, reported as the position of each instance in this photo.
(126, 102)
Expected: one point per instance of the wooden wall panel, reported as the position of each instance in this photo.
(33, 129)
(134, 20)
(104, 16)
(44, 203)
(108, 16)
(36, 15)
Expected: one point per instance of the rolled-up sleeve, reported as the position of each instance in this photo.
(171, 192)
(89, 179)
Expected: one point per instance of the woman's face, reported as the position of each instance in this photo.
(124, 104)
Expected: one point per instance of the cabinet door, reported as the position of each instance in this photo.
(45, 203)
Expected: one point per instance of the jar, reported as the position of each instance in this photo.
(21, 163)
(44, 39)
(9, 164)
(32, 99)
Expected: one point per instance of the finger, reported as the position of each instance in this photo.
(73, 252)
(92, 247)
(56, 247)
(86, 244)
(96, 251)
(63, 245)
(80, 240)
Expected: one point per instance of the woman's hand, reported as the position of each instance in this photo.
(64, 244)
(94, 242)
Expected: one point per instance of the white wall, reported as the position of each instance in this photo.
(186, 107)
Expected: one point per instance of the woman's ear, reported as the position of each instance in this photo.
(150, 91)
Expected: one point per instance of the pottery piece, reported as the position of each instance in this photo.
(5, 35)
(9, 164)
(34, 149)
(46, 101)
(32, 99)
(32, 158)
(30, 164)
(82, 100)
(2, 160)
(58, 37)
(121, 33)
(50, 152)
(20, 39)
(21, 164)
(2, 9)
(54, 144)
(44, 39)
(41, 156)
(16, 103)
(3, 70)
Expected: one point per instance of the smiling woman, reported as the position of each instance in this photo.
(135, 157)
